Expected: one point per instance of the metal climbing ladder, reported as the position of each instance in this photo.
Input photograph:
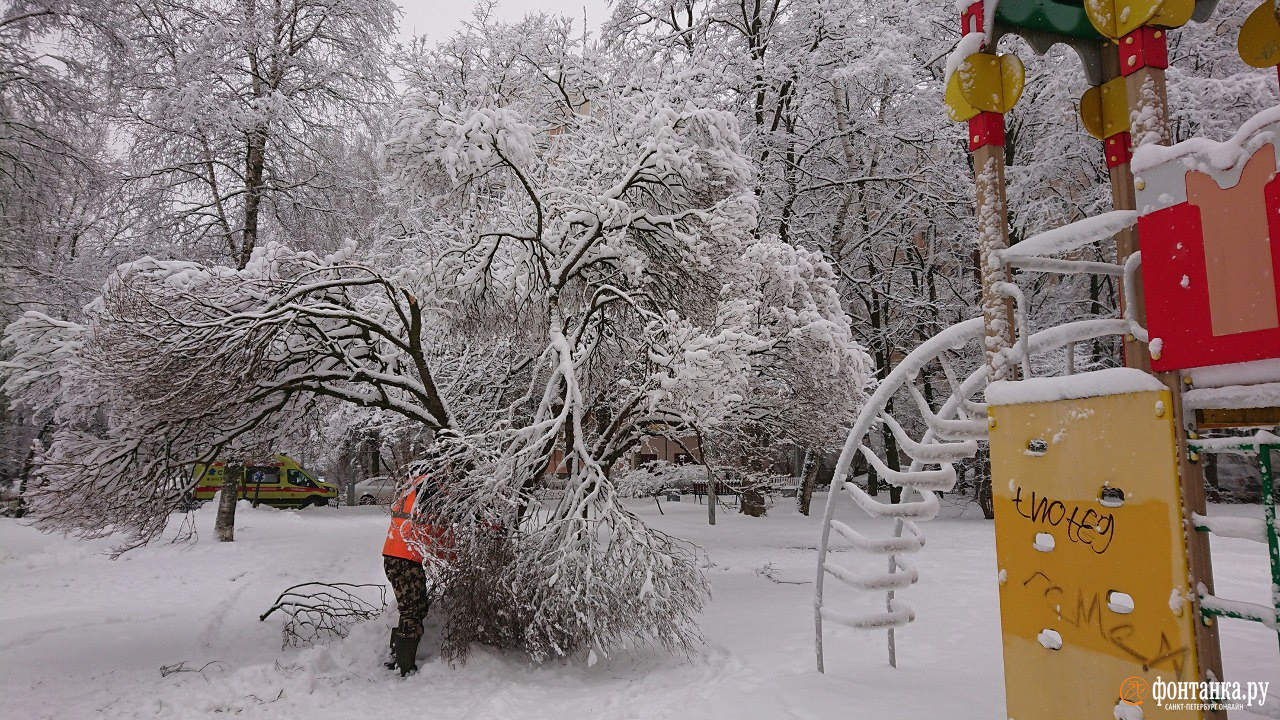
(1263, 445)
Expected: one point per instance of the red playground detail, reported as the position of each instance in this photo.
(1210, 239)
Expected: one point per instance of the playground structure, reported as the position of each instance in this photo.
(1202, 212)
(1085, 474)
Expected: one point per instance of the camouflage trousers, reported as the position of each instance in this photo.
(409, 582)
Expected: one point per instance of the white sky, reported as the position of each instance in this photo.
(437, 19)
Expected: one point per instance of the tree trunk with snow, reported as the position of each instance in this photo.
(808, 477)
(254, 170)
(225, 524)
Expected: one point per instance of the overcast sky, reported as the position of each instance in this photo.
(437, 19)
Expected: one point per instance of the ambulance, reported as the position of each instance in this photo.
(279, 482)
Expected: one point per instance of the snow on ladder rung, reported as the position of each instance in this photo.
(897, 617)
(930, 452)
(1232, 397)
(1239, 609)
(926, 508)
(929, 480)
(958, 429)
(947, 429)
(879, 546)
(943, 478)
(943, 452)
(1244, 528)
(879, 581)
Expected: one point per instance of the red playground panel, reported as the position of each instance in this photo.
(1210, 235)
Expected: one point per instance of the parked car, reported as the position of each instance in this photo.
(380, 490)
(278, 482)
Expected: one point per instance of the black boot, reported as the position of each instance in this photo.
(406, 651)
(391, 664)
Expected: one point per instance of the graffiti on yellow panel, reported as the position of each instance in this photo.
(1092, 562)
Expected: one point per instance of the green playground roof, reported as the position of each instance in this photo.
(1060, 17)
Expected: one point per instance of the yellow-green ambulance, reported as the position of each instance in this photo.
(279, 482)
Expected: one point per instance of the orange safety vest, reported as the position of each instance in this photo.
(406, 538)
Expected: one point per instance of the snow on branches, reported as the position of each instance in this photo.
(178, 362)
(623, 229)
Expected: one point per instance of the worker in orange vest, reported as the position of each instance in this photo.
(402, 556)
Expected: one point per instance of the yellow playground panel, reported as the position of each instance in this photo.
(1093, 566)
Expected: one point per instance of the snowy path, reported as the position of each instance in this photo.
(84, 636)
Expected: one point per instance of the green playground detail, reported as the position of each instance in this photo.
(1242, 610)
(1060, 17)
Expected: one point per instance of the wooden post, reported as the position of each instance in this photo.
(995, 84)
(1141, 58)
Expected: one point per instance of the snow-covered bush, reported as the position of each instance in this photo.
(474, 595)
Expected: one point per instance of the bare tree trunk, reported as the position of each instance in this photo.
(225, 525)
(751, 502)
(808, 477)
(28, 463)
(891, 456)
(711, 490)
(711, 479)
(982, 488)
(875, 441)
(23, 475)
(1096, 309)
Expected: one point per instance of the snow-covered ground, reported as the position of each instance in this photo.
(82, 635)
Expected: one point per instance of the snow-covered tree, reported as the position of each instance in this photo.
(580, 271)
(608, 227)
(236, 112)
(59, 231)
